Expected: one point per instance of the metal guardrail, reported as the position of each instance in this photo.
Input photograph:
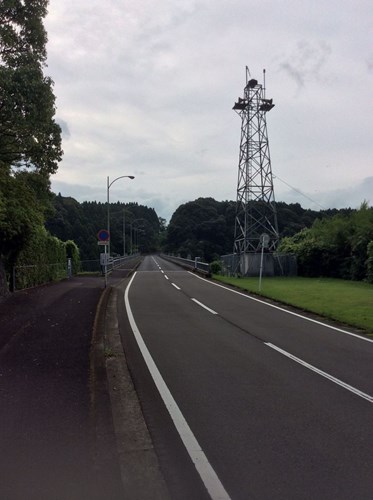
(117, 262)
(195, 264)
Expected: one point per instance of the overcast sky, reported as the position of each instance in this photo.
(146, 88)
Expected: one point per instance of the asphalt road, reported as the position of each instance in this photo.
(278, 406)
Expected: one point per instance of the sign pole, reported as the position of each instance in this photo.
(261, 268)
(264, 240)
(103, 239)
(105, 268)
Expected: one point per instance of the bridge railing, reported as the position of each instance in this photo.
(193, 265)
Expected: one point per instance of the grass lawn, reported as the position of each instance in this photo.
(350, 302)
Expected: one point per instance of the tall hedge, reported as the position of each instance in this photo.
(43, 259)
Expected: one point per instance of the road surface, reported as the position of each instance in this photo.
(244, 399)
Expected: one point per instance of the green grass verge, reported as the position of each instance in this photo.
(350, 302)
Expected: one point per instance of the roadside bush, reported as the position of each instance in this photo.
(216, 267)
(42, 259)
(335, 247)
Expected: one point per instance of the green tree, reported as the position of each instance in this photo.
(202, 228)
(29, 135)
(334, 246)
(30, 139)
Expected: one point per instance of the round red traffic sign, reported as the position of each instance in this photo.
(103, 235)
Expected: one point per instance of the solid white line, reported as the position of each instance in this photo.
(177, 287)
(205, 307)
(203, 466)
(323, 374)
(360, 337)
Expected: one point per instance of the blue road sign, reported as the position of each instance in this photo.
(103, 235)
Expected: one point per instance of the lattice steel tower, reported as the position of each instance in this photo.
(255, 209)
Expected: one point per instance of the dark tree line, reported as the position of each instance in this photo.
(336, 243)
(136, 226)
(205, 227)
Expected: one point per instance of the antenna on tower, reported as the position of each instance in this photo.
(255, 207)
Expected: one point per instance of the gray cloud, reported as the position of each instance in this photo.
(306, 61)
(147, 88)
(64, 128)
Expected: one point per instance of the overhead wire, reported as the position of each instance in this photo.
(299, 191)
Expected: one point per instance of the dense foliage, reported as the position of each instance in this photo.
(29, 135)
(335, 243)
(42, 259)
(205, 227)
(30, 139)
(338, 246)
(202, 228)
(81, 222)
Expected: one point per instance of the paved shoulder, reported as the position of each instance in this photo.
(49, 448)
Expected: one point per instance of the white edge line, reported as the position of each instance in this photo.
(323, 374)
(177, 287)
(360, 337)
(205, 307)
(203, 466)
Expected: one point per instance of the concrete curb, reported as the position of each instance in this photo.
(139, 467)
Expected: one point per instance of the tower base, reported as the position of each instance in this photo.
(250, 264)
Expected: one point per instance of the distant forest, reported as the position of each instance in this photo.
(335, 243)
(205, 227)
(134, 225)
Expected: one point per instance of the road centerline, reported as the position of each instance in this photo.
(331, 327)
(204, 306)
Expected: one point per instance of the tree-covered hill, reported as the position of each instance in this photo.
(205, 227)
(337, 243)
(82, 221)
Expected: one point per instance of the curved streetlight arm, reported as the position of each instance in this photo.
(121, 177)
(109, 184)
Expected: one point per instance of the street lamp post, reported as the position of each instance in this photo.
(136, 232)
(109, 184)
